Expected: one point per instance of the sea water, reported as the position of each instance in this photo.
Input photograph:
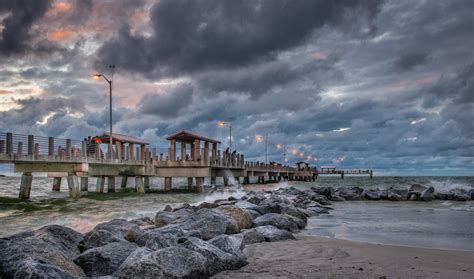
(436, 224)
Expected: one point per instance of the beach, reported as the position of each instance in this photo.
(320, 257)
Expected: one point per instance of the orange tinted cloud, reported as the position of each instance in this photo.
(5, 92)
(60, 7)
(60, 35)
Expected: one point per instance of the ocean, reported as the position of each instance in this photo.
(436, 224)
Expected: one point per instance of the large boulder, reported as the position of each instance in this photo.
(104, 260)
(459, 195)
(293, 211)
(208, 223)
(161, 237)
(281, 221)
(171, 262)
(164, 218)
(350, 193)
(428, 194)
(34, 269)
(240, 216)
(392, 196)
(230, 244)
(25, 246)
(328, 192)
(69, 241)
(112, 231)
(315, 211)
(272, 233)
(414, 192)
(217, 260)
(255, 197)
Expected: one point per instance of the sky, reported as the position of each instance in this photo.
(387, 85)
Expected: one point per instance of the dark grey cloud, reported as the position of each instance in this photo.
(189, 36)
(408, 61)
(167, 104)
(21, 14)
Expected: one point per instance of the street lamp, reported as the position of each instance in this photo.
(260, 138)
(109, 81)
(280, 146)
(223, 124)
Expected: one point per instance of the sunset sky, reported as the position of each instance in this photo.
(387, 85)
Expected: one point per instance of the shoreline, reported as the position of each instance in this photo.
(323, 257)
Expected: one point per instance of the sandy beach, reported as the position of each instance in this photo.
(318, 257)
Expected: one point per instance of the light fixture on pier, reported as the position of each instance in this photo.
(109, 81)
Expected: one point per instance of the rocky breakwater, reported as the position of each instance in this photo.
(182, 242)
(415, 192)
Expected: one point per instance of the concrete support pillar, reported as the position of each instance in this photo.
(84, 183)
(226, 181)
(172, 155)
(168, 183)
(100, 184)
(214, 153)
(205, 156)
(237, 180)
(124, 182)
(342, 175)
(25, 186)
(139, 187)
(371, 174)
(213, 181)
(197, 149)
(119, 150)
(57, 184)
(111, 184)
(73, 185)
(199, 184)
(130, 151)
(142, 152)
(247, 180)
(183, 151)
(146, 182)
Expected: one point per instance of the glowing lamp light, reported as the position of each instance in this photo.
(294, 151)
(259, 138)
(221, 123)
(96, 76)
(301, 154)
(279, 146)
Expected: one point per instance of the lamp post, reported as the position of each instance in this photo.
(223, 124)
(109, 81)
(261, 138)
(280, 146)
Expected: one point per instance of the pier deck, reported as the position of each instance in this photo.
(80, 160)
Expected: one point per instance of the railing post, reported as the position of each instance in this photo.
(84, 149)
(51, 146)
(68, 148)
(31, 145)
(2, 148)
(37, 150)
(19, 151)
(9, 144)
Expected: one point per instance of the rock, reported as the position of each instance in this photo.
(229, 244)
(471, 193)
(427, 195)
(225, 202)
(168, 208)
(414, 192)
(391, 196)
(231, 198)
(171, 262)
(256, 198)
(161, 238)
(66, 239)
(163, 218)
(34, 269)
(183, 206)
(372, 194)
(104, 260)
(250, 237)
(441, 196)
(142, 221)
(207, 205)
(315, 211)
(293, 211)
(118, 228)
(337, 198)
(328, 192)
(271, 233)
(25, 246)
(244, 204)
(459, 195)
(217, 260)
(209, 223)
(241, 217)
(350, 193)
(97, 238)
(281, 221)
(135, 256)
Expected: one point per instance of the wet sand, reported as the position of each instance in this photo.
(318, 257)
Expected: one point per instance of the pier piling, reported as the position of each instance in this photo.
(85, 183)
(111, 184)
(57, 184)
(25, 186)
(73, 185)
(139, 187)
(100, 184)
(123, 184)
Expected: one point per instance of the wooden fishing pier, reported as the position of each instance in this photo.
(189, 155)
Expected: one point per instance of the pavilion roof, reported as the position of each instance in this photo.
(122, 138)
(188, 136)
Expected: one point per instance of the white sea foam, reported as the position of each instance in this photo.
(446, 185)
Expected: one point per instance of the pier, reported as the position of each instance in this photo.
(189, 155)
